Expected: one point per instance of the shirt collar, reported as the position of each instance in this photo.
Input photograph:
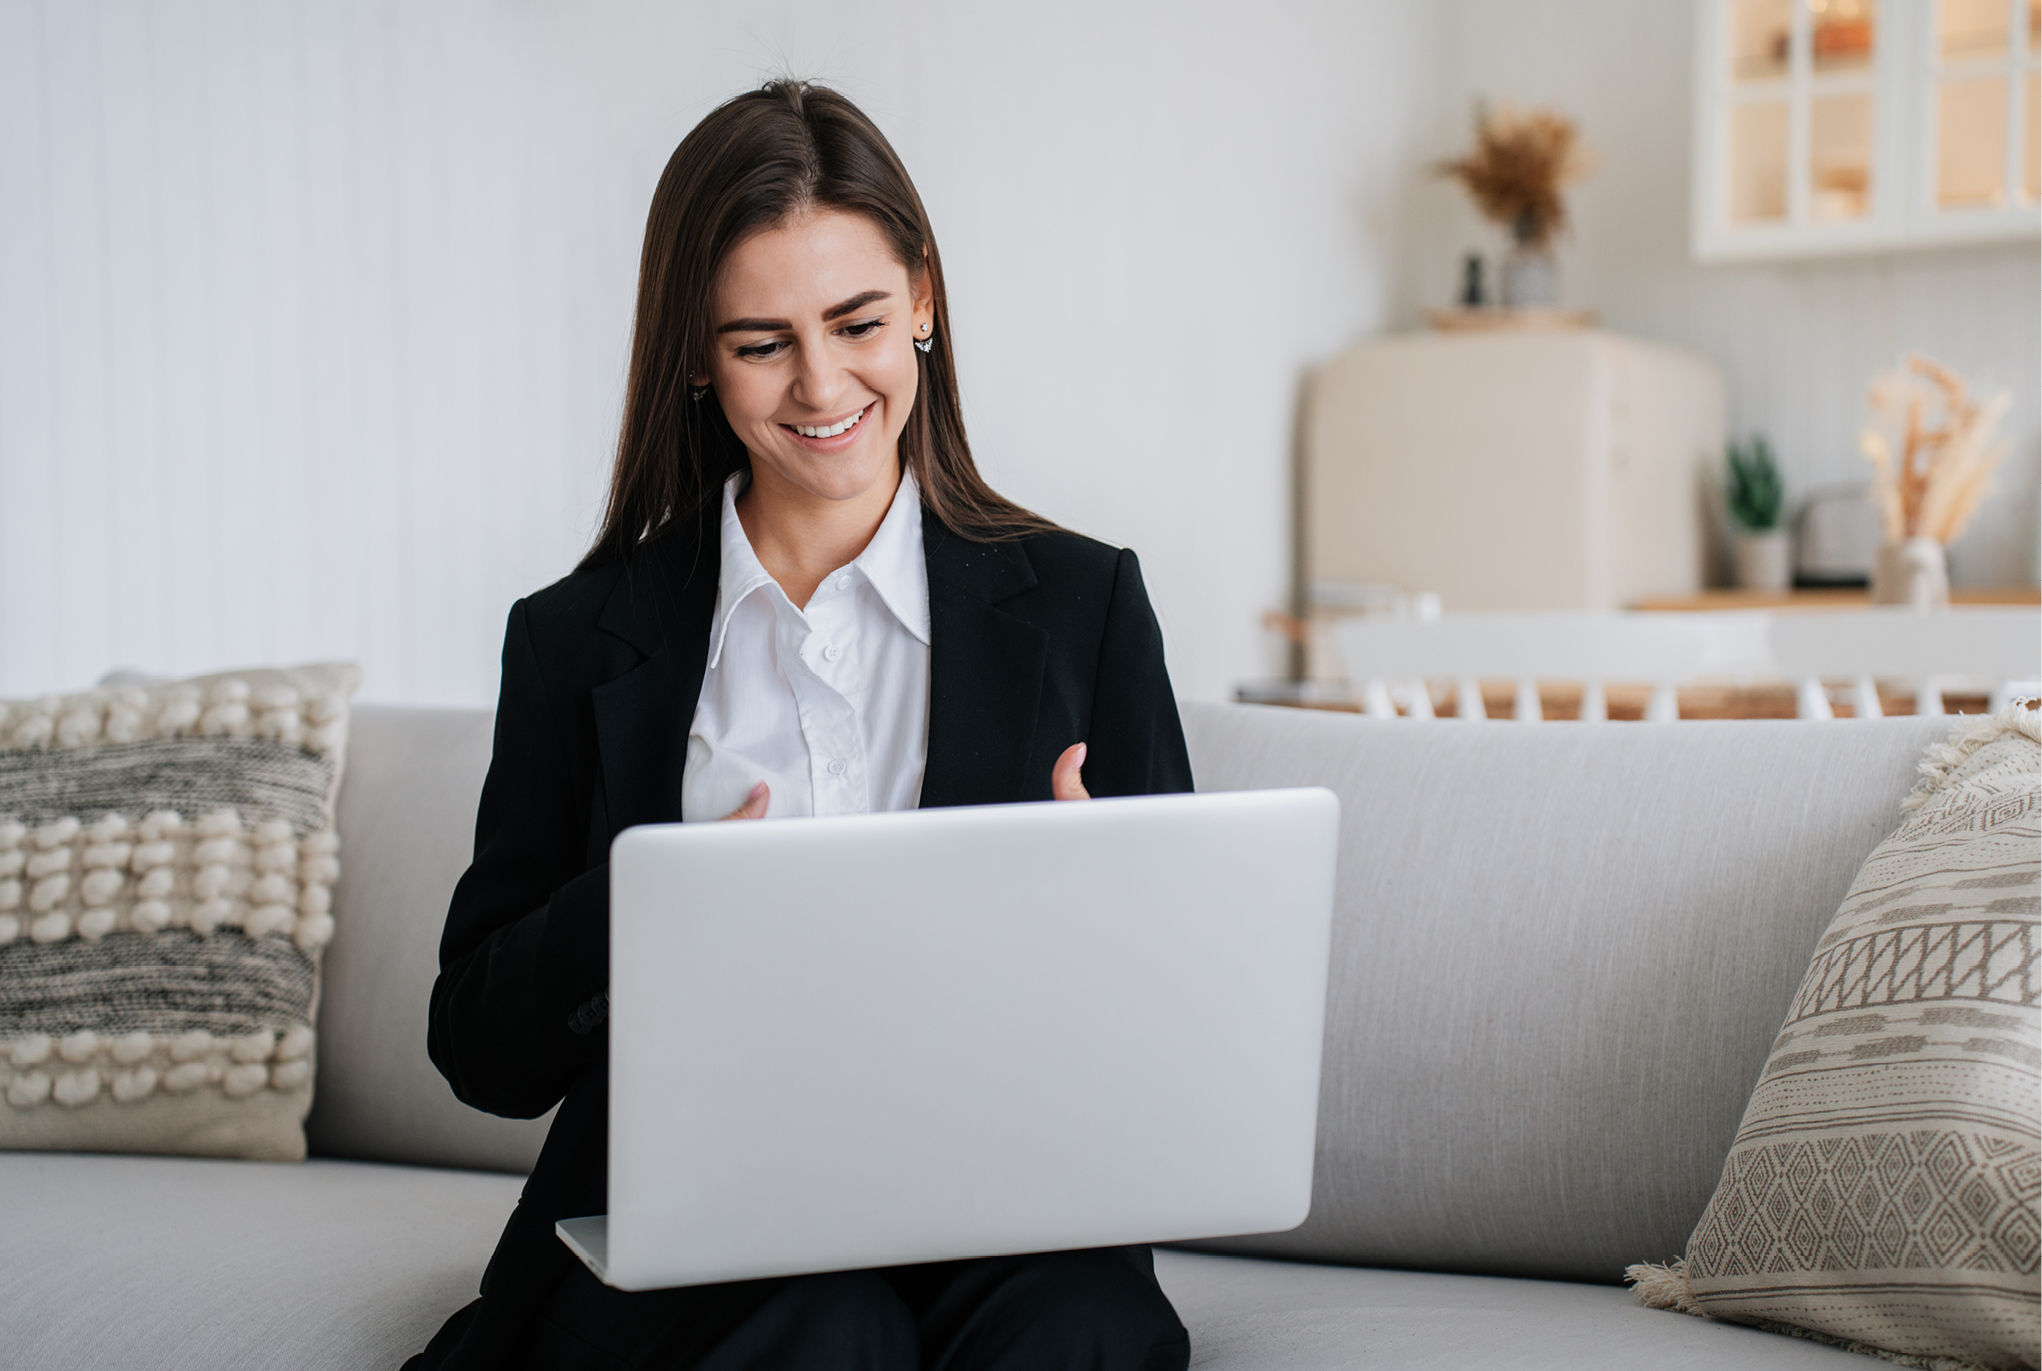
(893, 562)
(742, 571)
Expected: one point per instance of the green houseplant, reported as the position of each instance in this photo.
(1755, 497)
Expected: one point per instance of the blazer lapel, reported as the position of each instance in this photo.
(662, 606)
(985, 671)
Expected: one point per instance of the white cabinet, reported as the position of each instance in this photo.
(1510, 470)
(1827, 126)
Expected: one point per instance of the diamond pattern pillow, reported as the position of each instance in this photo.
(1883, 1187)
(167, 857)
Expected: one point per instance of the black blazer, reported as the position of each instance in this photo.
(1034, 645)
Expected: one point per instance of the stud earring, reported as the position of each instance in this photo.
(925, 343)
(696, 393)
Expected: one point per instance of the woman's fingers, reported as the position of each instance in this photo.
(1065, 780)
(754, 806)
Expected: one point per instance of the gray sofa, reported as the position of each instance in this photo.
(1560, 955)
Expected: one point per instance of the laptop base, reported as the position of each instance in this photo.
(589, 1239)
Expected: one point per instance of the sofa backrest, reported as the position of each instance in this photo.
(408, 792)
(1560, 955)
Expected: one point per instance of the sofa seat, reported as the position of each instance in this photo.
(1254, 1314)
(166, 1262)
(160, 1262)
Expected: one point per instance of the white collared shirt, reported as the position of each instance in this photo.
(827, 704)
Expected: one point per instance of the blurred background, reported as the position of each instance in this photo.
(314, 317)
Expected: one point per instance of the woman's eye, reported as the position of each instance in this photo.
(760, 349)
(865, 329)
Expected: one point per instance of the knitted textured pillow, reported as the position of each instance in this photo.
(1882, 1190)
(167, 857)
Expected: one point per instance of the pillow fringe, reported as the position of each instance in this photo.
(1864, 1348)
(1664, 1286)
(1939, 764)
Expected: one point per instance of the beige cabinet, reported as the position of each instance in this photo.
(1509, 470)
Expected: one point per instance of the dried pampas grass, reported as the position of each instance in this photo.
(1931, 448)
(1517, 168)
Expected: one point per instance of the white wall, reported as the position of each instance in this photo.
(1798, 342)
(313, 316)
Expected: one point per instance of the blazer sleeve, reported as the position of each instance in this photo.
(527, 941)
(1137, 741)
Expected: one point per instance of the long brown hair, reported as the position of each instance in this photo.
(757, 161)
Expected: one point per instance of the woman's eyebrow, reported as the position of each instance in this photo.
(856, 302)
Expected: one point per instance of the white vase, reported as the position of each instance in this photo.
(1531, 279)
(1913, 572)
(1765, 559)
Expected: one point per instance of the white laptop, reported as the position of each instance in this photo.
(853, 1042)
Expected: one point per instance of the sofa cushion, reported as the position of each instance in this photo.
(1247, 1314)
(1559, 956)
(407, 814)
(162, 1262)
(1883, 1187)
(167, 856)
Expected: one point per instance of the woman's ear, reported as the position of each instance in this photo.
(924, 291)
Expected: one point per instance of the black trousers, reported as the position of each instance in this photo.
(1094, 1310)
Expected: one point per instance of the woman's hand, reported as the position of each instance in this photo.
(754, 806)
(1065, 780)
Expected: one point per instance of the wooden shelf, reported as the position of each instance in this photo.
(1558, 701)
(1508, 320)
(1828, 599)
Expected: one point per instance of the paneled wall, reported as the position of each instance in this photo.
(1798, 341)
(313, 315)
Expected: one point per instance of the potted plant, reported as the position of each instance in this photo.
(1754, 496)
(1515, 174)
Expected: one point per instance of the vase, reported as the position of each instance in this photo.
(1913, 572)
(1764, 559)
(1531, 278)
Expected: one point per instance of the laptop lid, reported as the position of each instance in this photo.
(895, 1038)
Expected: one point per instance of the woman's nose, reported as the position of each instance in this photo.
(817, 380)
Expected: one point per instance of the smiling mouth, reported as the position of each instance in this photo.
(842, 426)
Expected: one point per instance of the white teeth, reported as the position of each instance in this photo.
(810, 431)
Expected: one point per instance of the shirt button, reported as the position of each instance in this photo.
(831, 653)
(837, 767)
(843, 583)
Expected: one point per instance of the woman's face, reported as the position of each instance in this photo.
(813, 355)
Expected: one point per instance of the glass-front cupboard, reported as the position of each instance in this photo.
(1827, 126)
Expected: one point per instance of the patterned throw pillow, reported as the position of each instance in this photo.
(1883, 1187)
(167, 859)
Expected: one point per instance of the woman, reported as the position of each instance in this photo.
(804, 600)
